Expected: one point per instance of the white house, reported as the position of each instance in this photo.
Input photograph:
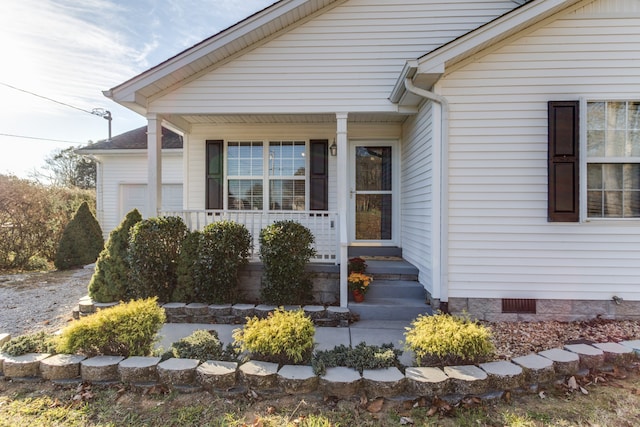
(497, 142)
(121, 183)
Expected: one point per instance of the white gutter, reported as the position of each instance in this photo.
(440, 223)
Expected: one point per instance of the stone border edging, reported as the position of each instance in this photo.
(187, 375)
(229, 314)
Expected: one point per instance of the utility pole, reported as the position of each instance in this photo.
(105, 114)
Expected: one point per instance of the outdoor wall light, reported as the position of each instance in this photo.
(333, 149)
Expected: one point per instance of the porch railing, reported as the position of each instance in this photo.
(323, 225)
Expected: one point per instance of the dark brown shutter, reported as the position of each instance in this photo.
(215, 178)
(564, 162)
(319, 175)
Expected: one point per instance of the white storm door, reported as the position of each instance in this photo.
(373, 192)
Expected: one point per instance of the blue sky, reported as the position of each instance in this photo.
(72, 50)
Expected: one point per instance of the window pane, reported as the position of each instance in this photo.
(631, 176)
(634, 115)
(245, 194)
(616, 141)
(595, 143)
(612, 176)
(594, 204)
(287, 195)
(631, 204)
(613, 204)
(595, 116)
(594, 176)
(633, 143)
(616, 115)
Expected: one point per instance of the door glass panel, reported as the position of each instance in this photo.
(373, 216)
(373, 168)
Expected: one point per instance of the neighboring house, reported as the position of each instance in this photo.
(496, 142)
(121, 182)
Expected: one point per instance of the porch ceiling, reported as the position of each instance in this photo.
(292, 118)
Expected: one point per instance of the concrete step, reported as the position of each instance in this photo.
(396, 289)
(405, 309)
(382, 251)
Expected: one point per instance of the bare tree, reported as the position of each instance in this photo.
(66, 168)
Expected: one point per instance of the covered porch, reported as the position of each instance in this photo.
(229, 174)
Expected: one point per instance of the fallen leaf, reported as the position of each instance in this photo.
(542, 395)
(376, 405)
(507, 397)
(572, 383)
(584, 390)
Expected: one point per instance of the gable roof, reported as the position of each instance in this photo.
(215, 50)
(133, 140)
(428, 69)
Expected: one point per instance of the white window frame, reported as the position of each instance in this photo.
(266, 175)
(585, 160)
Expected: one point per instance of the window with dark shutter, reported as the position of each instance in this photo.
(564, 184)
(319, 175)
(215, 178)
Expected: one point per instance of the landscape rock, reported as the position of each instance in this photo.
(25, 366)
(217, 375)
(259, 375)
(101, 369)
(297, 379)
(428, 381)
(340, 382)
(178, 373)
(61, 367)
(139, 370)
(384, 382)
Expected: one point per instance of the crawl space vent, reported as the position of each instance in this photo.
(514, 305)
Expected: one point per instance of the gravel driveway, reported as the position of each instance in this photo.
(31, 302)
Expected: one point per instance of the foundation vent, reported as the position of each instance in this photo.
(515, 305)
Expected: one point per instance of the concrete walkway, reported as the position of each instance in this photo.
(371, 332)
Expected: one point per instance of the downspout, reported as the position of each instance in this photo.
(440, 256)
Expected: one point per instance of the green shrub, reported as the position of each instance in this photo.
(38, 342)
(81, 240)
(127, 329)
(285, 250)
(202, 345)
(446, 339)
(360, 357)
(209, 263)
(284, 337)
(110, 281)
(154, 248)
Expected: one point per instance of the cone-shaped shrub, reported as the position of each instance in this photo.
(110, 281)
(81, 240)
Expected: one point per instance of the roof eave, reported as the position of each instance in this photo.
(491, 33)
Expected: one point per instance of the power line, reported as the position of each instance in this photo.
(101, 112)
(44, 97)
(41, 139)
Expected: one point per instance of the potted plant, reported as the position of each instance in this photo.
(359, 285)
(357, 265)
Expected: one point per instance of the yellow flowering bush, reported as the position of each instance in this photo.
(359, 282)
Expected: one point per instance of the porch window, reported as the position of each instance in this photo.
(613, 159)
(266, 175)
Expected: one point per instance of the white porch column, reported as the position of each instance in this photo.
(154, 164)
(343, 202)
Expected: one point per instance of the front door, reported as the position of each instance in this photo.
(372, 193)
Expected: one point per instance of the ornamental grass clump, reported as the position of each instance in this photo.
(445, 339)
(284, 337)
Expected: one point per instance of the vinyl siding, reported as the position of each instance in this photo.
(417, 194)
(346, 59)
(501, 245)
(127, 169)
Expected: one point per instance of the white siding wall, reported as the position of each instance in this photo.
(196, 154)
(126, 169)
(417, 194)
(501, 244)
(346, 59)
